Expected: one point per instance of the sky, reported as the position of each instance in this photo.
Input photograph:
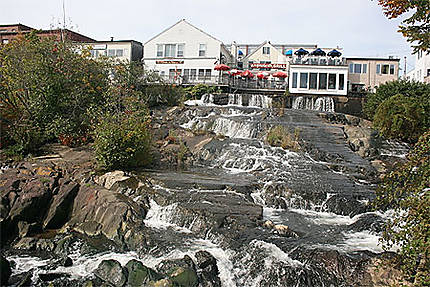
(358, 26)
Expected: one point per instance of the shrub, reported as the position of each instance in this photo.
(279, 136)
(197, 91)
(408, 89)
(401, 117)
(407, 191)
(123, 142)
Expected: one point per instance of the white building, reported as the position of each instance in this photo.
(185, 54)
(318, 75)
(421, 73)
(124, 50)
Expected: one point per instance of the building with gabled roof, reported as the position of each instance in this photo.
(185, 54)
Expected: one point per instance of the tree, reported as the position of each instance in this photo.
(416, 28)
(406, 190)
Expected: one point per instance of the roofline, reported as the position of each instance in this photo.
(370, 58)
(256, 49)
(285, 45)
(18, 24)
(182, 20)
(59, 30)
(115, 41)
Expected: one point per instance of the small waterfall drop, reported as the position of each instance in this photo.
(324, 104)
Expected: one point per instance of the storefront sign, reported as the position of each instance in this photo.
(268, 66)
(169, 62)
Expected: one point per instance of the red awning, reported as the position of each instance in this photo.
(262, 75)
(222, 67)
(235, 72)
(280, 74)
(247, 74)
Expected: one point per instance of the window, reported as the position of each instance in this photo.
(385, 69)
(351, 68)
(119, 52)
(201, 74)
(171, 73)
(208, 74)
(428, 72)
(364, 70)
(357, 70)
(313, 80)
(323, 81)
(111, 52)
(294, 83)
(303, 80)
(162, 73)
(170, 50)
(378, 68)
(266, 50)
(180, 50)
(332, 81)
(193, 74)
(391, 69)
(202, 50)
(159, 50)
(341, 81)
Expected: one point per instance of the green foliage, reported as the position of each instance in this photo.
(407, 191)
(197, 91)
(46, 91)
(402, 118)
(279, 136)
(123, 142)
(385, 91)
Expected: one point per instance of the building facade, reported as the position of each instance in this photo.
(11, 31)
(421, 73)
(123, 50)
(185, 54)
(368, 73)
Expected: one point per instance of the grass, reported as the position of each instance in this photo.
(279, 136)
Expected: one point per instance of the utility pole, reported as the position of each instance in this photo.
(404, 71)
(64, 22)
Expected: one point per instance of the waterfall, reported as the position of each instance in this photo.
(324, 104)
(234, 129)
(235, 99)
(260, 101)
(207, 99)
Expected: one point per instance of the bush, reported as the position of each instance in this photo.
(46, 91)
(197, 91)
(385, 91)
(407, 191)
(123, 142)
(280, 137)
(402, 118)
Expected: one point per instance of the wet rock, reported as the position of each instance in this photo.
(139, 275)
(28, 229)
(346, 205)
(162, 283)
(184, 277)
(108, 179)
(207, 272)
(22, 279)
(5, 270)
(167, 266)
(66, 261)
(112, 272)
(370, 221)
(61, 205)
(47, 277)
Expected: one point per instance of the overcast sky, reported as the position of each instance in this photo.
(358, 26)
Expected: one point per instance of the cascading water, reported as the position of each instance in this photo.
(324, 104)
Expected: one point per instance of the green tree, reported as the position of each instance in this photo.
(416, 28)
(47, 91)
(407, 191)
(401, 117)
(385, 91)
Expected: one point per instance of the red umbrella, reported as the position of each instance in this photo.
(280, 74)
(235, 72)
(222, 67)
(262, 75)
(247, 74)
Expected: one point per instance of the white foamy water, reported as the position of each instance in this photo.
(325, 104)
(162, 217)
(274, 253)
(327, 218)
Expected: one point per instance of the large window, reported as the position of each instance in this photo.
(201, 74)
(266, 50)
(111, 52)
(391, 69)
(313, 80)
(180, 50)
(322, 81)
(385, 69)
(119, 52)
(341, 81)
(378, 68)
(193, 74)
(159, 50)
(208, 74)
(332, 81)
(294, 84)
(303, 80)
(202, 50)
(357, 68)
(170, 50)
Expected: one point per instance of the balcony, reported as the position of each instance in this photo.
(319, 61)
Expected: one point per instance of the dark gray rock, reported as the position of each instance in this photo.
(6, 270)
(139, 274)
(112, 272)
(207, 272)
(47, 277)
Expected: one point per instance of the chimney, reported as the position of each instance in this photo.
(111, 39)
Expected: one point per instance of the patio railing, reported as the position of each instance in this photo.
(319, 61)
